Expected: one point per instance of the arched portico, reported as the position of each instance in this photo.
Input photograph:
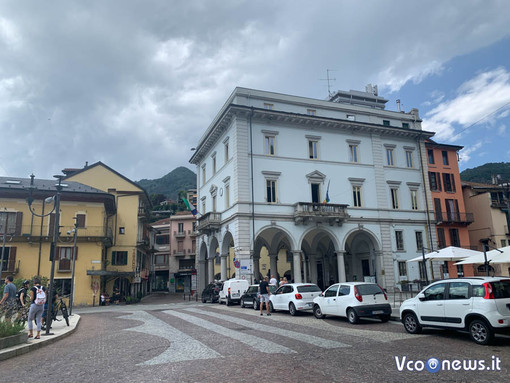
(362, 256)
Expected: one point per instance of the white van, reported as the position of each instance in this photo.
(232, 291)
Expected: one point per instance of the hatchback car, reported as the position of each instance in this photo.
(353, 300)
(251, 298)
(211, 292)
(294, 297)
(480, 305)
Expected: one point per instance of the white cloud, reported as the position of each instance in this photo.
(466, 153)
(477, 99)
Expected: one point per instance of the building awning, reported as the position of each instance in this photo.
(106, 273)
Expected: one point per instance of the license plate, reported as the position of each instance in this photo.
(235, 295)
(378, 312)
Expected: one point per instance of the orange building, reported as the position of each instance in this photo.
(452, 219)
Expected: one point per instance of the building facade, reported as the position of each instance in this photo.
(451, 218)
(330, 190)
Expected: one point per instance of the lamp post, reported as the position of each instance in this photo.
(486, 246)
(53, 247)
(71, 297)
(423, 248)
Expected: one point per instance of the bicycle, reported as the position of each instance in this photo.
(59, 305)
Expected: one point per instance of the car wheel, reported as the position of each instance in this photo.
(352, 316)
(292, 309)
(318, 312)
(385, 318)
(204, 300)
(480, 332)
(411, 323)
(242, 303)
(255, 305)
(271, 308)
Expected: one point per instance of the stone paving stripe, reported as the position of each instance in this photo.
(310, 339)
(256, 342)
(182, 346)
(319, 324)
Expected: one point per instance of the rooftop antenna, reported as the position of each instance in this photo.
(328, 79)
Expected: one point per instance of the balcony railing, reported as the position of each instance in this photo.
(454, 218)
(209, 222)
(90, 233)
(179, 234)
(333, 214)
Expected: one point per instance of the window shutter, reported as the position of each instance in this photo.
(19, 219)
(80, 220)
(11, 263)
(113, 258)
(57, 253)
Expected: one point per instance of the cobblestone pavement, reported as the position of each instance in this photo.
(195, 342)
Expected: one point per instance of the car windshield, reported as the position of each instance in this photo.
(501, 289)
(369, 289)
(272, 288)
(308, 289)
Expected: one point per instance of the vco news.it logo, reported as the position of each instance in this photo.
(433, 365)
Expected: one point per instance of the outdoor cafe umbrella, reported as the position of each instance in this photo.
(450, 253)
(493, 256)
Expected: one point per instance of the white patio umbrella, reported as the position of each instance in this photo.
(493, 256)
(450, 253)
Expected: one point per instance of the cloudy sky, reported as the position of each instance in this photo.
(135, 83)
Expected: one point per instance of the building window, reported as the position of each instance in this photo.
(316, 192)
(180, 246)
(227, 196)
(402, 268)
(194, 227)
(64, 256)
(503, 243)
(399, 239)
(119, 257)
(122, 230)
(409, 159)
(419, 240)
(414, 199)
(430, 153)
(356, 196)
(186, 264)
(161, 259)
(394, 198)
(271, 191)
(448, 182)
(386, 122)
(269, 146)
(203, 206)
(313, 148)
(203, 174)
(351, 117)
(214, 165)
(454, 237)
(423, 270)
(80, 220)
(389, 156)
(445, 157)
(353, 153)
(405, 125)
(180, 227)
(10, 223)
(163, 239)
(441, 240)
(226, 151)
(311, 112)
(435, 181)
(268, 106)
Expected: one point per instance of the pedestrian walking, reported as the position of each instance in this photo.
(264, 295)
(273, 280)
(22, 294)
(281, 282)
(9, 297)
(38, 297)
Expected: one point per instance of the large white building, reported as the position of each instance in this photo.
(264, 167)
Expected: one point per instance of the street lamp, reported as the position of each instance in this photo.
(53, 247)
(423, 248)
(71, 297)
(485, 245)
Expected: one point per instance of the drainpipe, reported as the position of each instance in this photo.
(252, 245)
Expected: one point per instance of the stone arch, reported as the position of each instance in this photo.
(362, 256)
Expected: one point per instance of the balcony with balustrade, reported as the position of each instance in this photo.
(331, 214)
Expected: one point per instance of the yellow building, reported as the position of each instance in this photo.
(112, 245)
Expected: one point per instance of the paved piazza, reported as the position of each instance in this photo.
(195, 342)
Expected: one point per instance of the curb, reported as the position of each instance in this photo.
(23, 348)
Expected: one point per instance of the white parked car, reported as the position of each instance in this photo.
(294, 297)
(353, 300)
(232, 290)
(480, 305)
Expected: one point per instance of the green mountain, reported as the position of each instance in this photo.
(179, 179)
(484, 173)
